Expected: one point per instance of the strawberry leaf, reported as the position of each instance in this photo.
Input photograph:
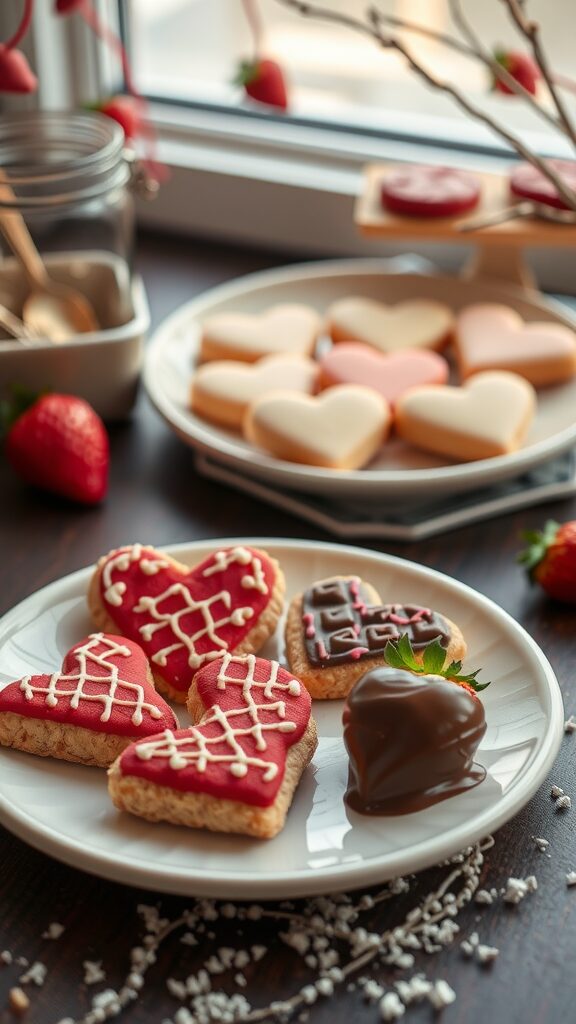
(400, 654)
(538, 542)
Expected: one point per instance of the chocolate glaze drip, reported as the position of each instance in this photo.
(411, 741)
(340, 626)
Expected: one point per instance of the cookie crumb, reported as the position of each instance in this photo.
(570, 724)
(6, 957)
(441, 995)
(486, 954)
(391, 1007)
(93, 972)
(540, 843)
(35, 974)
(563, 803)
(54, 931)
(18, 1000)
(556, 791)
(571, 878)
(517, 888)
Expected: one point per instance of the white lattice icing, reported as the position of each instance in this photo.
(252, 580)
(86, 656)
(114, 593)
(193, 748)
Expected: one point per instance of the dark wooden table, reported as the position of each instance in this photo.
(156, 496)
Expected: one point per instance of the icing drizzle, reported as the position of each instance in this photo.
(94, 678)
(196, 617)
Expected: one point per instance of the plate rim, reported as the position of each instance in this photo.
(310, 882)
(403, 482)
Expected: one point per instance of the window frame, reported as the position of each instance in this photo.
(250, 178)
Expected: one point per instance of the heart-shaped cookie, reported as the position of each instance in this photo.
(494, 337)
(342, 428)
(183, 617)
(418, 190)
(236, 769)
(489, 416)
(88, 712)
(338, 630)
(418, 323)
(222, 391)
(290, 327)
(391, 375)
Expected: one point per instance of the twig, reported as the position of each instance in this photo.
(254, 19)
(373, 29)
(531, 31)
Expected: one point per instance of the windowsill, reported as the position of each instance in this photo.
(291, 187)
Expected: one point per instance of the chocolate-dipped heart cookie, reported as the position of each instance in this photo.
(338, 630)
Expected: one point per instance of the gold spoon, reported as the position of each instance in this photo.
(51, 310)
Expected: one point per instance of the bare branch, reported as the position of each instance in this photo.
(531, 31)
(373, 27)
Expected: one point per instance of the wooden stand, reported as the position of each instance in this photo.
(498, 250)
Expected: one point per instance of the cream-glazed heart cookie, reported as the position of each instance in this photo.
(222, 391)
(486, 417)
(342, 428)
(291, 327)
(419, 323)
(391, 375)
(490, 336)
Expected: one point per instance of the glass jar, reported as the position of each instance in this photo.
(69, 176)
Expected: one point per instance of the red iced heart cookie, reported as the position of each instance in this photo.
(237, 768)
(419, 191)
(494, 337)
(183, 617)
(390, 375)
(102, 698)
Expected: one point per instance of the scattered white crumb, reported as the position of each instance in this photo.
(372, 990)
(93, 972)
(54, 931)
(35, 974)
(240, 980)
(540, 843)
(571, 878)
(22, 961)
(486, 954)
(6, 956)
(517, 888)
(18, 1000)
(563, 803)
(441, 995)
(391, 1007)
(483, 897)
(258, 952)
(188, 939)
(556, 791)
(570, 724)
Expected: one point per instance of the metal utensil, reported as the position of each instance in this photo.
(51, 310)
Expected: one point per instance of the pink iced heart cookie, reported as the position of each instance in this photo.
(223, 390)
(487, 417)
(183, 617)
(390, 375)
(416, 190)
(236, 768)
(419, 323)
(528, 182)
(495, 337)
(342, 428)
(90, 710)
(290, 327)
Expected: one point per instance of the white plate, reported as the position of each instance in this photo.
(399, 471)
(65, 811)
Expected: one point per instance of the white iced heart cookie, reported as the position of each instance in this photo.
(416, 324)
(222, 391)
(494, 337)
(342, 428)
(489, 416)
(291, 328)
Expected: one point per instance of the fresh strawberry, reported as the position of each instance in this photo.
(522, 67)
(263, 80)
(124, 110)
(60, 444)
(550, 559)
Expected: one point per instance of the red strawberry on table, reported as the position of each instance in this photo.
(60, 444)
(550, 559)
(263, 80)
(522, 67)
